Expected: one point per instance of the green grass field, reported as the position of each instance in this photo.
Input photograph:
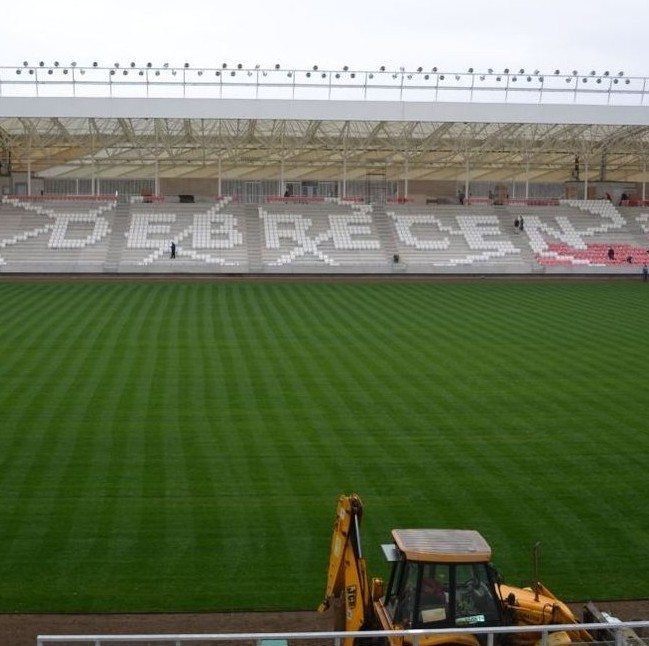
(181, 446)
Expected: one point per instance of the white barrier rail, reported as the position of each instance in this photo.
(510, 86)
(619, 629)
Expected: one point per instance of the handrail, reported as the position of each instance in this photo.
(336, 636)
(383, 84)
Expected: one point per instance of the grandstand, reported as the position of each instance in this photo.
(332, 236)
(288, 171)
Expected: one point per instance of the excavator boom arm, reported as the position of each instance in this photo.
(347, 581)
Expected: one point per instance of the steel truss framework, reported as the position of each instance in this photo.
(320, 148)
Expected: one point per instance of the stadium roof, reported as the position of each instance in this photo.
(305, 138)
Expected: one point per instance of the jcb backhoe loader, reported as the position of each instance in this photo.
(440, 579)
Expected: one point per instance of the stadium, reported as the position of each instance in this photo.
(233, 292)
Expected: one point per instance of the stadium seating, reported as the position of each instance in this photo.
(328, 236)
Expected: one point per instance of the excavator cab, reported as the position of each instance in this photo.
(440, 579)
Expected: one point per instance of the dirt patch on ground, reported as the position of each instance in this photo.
(22, 629)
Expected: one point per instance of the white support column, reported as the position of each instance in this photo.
(466, 181)
(527, 180)
(405, 181)
(644, 178)
(157, 178)
(29, 174)
(513, 188)
(586, 179)
(281, 178)
(344, 178)
(220, 191)
(77, 186)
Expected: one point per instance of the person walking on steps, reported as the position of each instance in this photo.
(173, 250)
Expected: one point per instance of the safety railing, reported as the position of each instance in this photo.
(619, 630)
(420, 84)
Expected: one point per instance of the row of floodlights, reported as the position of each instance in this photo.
(482, 76)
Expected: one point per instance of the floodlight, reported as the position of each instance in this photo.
(112, 72)
(402, 69)
(324, 76)
(217, 73)
(506, 70)
(25, 63)
(224, 66)
(575, 72)
(540, 79)
(627, 81)
(315, 68)
(482, 77)
(409, 76)
(290, 74)
(83, 72)
(257, 66)
(490, 70)
(65, 71)
(394, 76)
(568, 79)
(94, 64)
(345, 68)
(141, 73)
(434, 69)
(186, 65)
(49, 71)
(308, 75)
(457, 77)
(441, 78)
(353, 75)
(125, 72)
(132, 64)
(371, 76)
(584, 80)
(599, 80)
(73, 64)
(41, 64)
(31, 71)
(514, 79)
(276, 66)
(470, 70)
(337, 75)
(200, 72)
(116, 65)
(521, 71)
(420, 69)
(173, 72)
(615, 81)
(239, 66)
(620, 73)
(557, 72)
(165, 65)
(593, 72)
(382, 68)
(606, 73)
(536, 72)
(233, 73)
(426, 77)
(56, 63)
(498, 78)
(17, 71)
(529, 78)
(149, 65)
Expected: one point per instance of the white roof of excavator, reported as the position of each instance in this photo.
(442, 545)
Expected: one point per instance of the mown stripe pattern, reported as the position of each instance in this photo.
(181, 446)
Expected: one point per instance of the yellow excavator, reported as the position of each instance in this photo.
(440, 578)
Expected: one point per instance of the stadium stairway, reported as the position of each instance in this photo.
(121, 224)
(254, 242)
(388, 237)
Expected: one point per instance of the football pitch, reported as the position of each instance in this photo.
(180, 446)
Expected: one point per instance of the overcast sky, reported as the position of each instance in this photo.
(450, 34)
